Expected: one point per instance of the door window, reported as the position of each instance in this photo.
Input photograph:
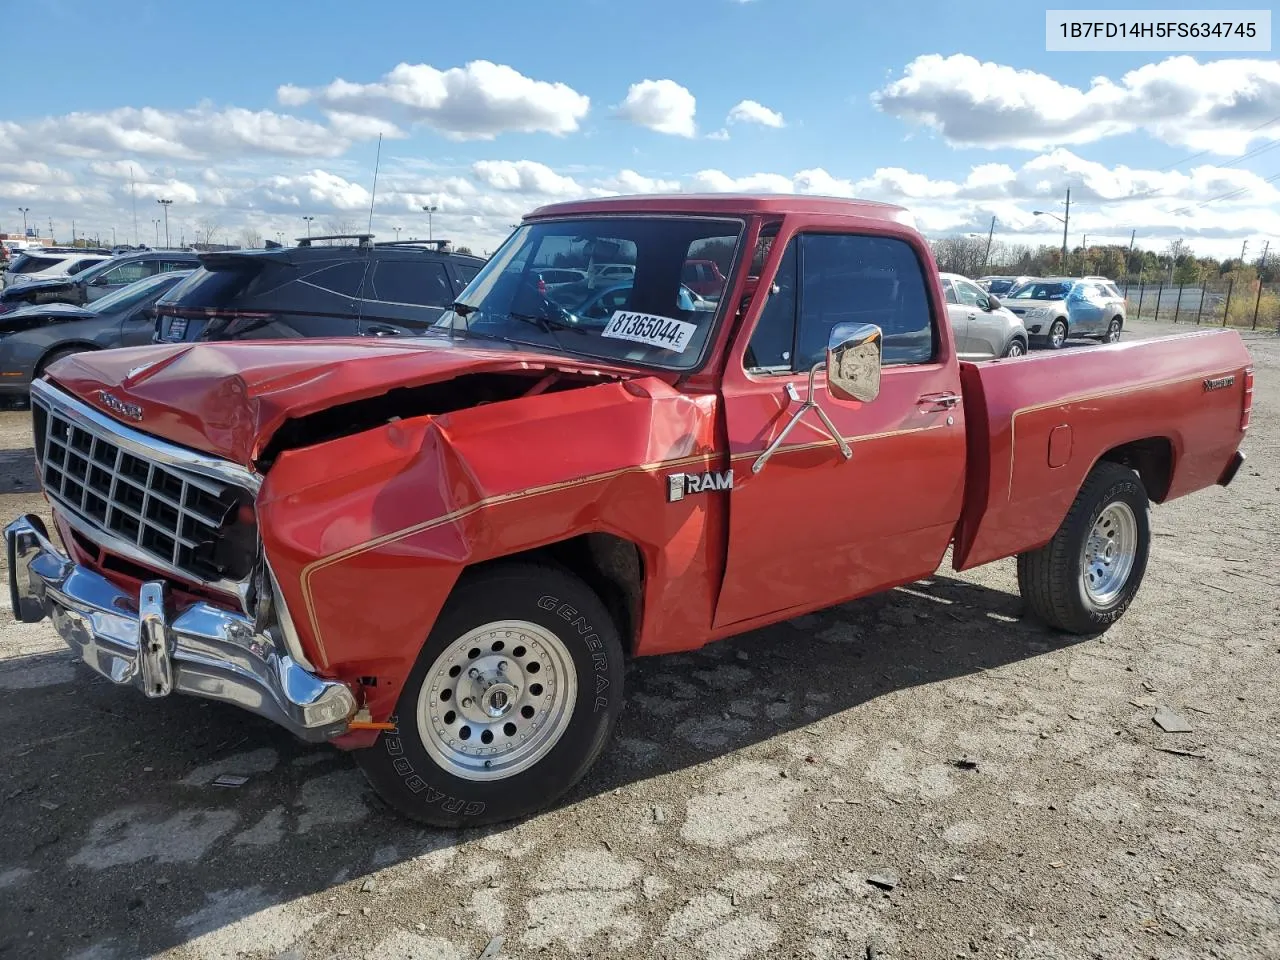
(949, 289)
(830, 279)
(969, 294)
(129, 272)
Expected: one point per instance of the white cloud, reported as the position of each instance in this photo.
(750, 111)
(185, 134)
(1211, 106)
(662, 106)
(474, 102)
(721, 134)
(524, 176)
(628, 181)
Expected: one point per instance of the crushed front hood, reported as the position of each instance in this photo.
(228, 399)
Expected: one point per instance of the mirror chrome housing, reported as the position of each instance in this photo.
(854, 355)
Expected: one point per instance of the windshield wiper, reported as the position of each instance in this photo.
(544, 323)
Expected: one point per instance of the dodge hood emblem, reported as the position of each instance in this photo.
(116, 405)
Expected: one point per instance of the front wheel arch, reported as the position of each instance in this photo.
(57, 352)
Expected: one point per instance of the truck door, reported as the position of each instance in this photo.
(812, 528)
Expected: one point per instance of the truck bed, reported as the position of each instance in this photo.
(1172, 407)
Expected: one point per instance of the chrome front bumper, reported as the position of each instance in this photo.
(205, 650)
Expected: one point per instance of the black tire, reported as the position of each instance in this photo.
(402, 770)
(51, 358)
(1057, 342)
(1114, 329)
(1020, 344)
(1052, 579)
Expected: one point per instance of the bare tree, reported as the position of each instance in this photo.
(341, 225)
(207, 228)
(250, 238)
(463, 249)
(962, 255)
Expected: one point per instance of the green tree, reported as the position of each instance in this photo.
(1188, 271)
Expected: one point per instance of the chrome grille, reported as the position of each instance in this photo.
(174, 518)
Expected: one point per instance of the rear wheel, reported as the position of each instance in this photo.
(511, 701)
(1113, 331)
(1016, 348)
(1084, 579)
(1057, 334)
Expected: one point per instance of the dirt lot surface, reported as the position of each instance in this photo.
(1008, 784)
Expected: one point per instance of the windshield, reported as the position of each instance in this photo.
(134, 292)
(1038, 290)
(609, 288)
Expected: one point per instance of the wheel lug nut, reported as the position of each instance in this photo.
(473, 673)
(502, 665)
(467, 701)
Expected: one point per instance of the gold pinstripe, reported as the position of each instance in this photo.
(311, 569)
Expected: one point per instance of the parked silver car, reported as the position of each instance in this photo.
(983, 327)
(1055, 308)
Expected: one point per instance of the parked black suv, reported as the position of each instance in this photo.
(359, 288)
(98, 280)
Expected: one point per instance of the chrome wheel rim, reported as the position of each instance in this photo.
(1109, 553)
(497, 700)
(1058, 334)
(1015, 349)
(1113, 332)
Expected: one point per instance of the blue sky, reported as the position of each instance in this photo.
(814, 64)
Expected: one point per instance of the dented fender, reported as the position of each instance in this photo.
(369, 533)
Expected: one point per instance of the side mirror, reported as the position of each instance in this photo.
(993, 302)
(854, 356)
(98, 282)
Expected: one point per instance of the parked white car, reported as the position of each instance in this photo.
(40, 264)
(1055, 308)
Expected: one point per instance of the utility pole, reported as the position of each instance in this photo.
(987, 256)
(52, 238)
(73, 231)
(1128, 261)
(1262, 265)
(1066, 220)
(1243, 247)
(24, 211)
(166, 204)
(1084, 254)
(156, 222)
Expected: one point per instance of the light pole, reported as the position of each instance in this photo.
(397, 230)
(156, 222)
(308, 219)
(166, 204)
(1065, 220)
(429, 209)
(24, 211)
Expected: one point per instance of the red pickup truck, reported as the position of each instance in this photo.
(438, 552)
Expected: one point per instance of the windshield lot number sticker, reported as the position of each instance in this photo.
(651, 330)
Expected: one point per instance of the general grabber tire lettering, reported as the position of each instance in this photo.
(512, 699)
(1084, 579)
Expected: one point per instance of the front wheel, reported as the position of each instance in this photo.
(1016, 348)
(1057, 334)
(514, 696)
(1084, 579)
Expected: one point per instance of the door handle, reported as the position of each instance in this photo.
(379, 330)
(940, 400)
(972, 316)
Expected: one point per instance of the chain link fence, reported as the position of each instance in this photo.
(1221, 303)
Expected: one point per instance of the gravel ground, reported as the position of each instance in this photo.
(1008, 784)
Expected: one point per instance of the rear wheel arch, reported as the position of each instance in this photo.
(1153, 458)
